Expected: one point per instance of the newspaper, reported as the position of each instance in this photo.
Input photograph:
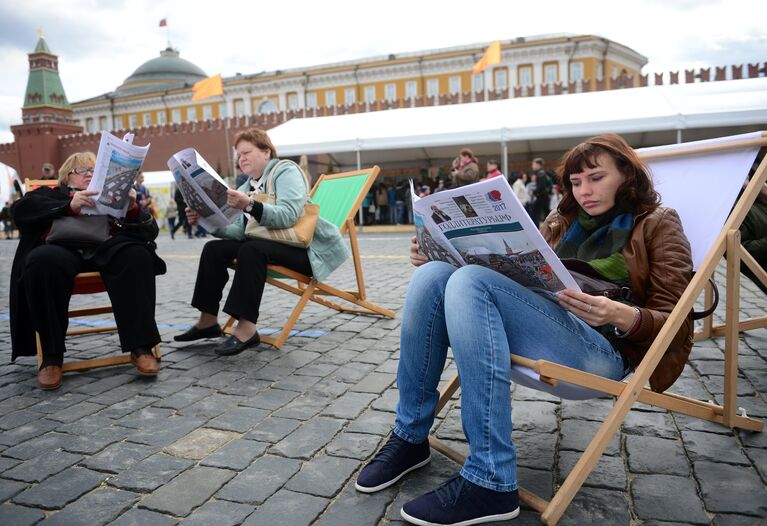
(118, 163)
(485, 224)
(203, 189)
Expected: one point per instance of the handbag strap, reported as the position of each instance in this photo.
(270, 179)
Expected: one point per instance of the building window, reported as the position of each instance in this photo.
(550, 73)
(525, 75)
(614, 73)
(146, 119)
(311, 100)
(191, 114)
(478, 82)
(411, 89)
(455, 84)
(175, 115)
(501, 79)
(432, 87)
(222, 110)
(118, 123)
(292, 101)
(102, 123)
(239, 107)
(160, 117)
(89, 125)
(576, 71)
(390, 91)
(370, 93)
(207, 112)
(330, 98)
(267, 107)
(600, 71)
(132, 121)
(350, 95)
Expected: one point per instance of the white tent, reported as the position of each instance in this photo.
(7, 178)
(644, 116)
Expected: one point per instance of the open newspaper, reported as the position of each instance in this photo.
(485, 224)
(203, 189)
(118, 163)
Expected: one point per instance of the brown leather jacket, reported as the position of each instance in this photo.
(660, 268)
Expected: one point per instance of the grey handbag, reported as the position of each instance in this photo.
(79, 231)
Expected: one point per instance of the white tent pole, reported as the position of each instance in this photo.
(505, 158)
(678, 136)
(359, 167)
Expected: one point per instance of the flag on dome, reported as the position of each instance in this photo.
(210, 87)
(491, 56)
(163, 22)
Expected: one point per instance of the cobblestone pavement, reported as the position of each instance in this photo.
(277, 437)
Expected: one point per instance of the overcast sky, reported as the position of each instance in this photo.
(101, 42)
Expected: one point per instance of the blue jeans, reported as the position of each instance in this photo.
(483, 316)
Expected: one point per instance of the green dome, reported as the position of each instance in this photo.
(168, 71)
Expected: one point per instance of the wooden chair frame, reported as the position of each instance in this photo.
(627, 393)
(93, 279)
(309, 289)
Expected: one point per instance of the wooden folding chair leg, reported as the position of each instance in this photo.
(93, 363)
(285, 332)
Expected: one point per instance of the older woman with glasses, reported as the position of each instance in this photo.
(43, 273)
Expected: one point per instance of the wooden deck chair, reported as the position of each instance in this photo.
(339, 196)
(712, 230)
(85, 283)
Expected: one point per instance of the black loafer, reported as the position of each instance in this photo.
(232, 345)
(198, 334)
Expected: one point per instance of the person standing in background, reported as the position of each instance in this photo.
(171, 212)
(465, 169)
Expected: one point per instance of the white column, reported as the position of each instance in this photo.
(282, 101)
(564, 73)
(248, 103)
(537, 77)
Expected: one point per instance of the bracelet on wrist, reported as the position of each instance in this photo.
(634, 325)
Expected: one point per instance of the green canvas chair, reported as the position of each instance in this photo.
(339, 197)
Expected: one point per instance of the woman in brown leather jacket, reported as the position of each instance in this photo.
(611, 220)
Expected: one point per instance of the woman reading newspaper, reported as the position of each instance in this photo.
(256, 157)
(610, 218)
(44, 270)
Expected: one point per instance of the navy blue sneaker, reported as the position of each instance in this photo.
(396, 459)
(459, 502)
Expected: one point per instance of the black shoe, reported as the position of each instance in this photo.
(232, 345)
(460, 502)
(198, 334)
(397, 458)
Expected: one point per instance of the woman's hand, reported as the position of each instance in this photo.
(417, 257)
(237, 199)
(598, 310)
(80, 199)
(131, 198)
(192, 216)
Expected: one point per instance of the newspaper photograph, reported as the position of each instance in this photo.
(118, 163)
(203, 189)
(485, 224)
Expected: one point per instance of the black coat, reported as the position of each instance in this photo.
(34, 213)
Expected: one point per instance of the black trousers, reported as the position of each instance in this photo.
(48, 280)
(244, 299)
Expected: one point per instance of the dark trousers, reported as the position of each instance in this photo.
(48, 280)
(244, 299)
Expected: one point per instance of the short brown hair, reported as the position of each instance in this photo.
(467, 153)
(635, 194)
(258, 138)
(76, 159)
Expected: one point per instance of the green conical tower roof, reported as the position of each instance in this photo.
(44, 86)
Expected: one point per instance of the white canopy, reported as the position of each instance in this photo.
(644, 116)
(7, 178)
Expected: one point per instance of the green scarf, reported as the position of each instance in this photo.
(599, 240)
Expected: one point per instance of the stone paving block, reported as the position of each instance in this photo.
(270, 373)
(353, 445)
(272, 429)
(329, 388)
(23, 433)
(118, 457)
(11, 514)
(685, 422)
(375, 383)
(323, 476)
(295, 359)
(76, 412)
(200, 443)
(304, 407)
(595, 409)
(258, 482)
(139, 517)
(42, 466)
(98, 440)
(609, 473)
(105, 384)
(150, 473)
(239, 419)
(537, 417)
(247, 388)
(18, 418)
(716, 448)
(317, 368)
(656, 455)
(237, 454)
(349, 405)
(726, 519)
(9, 488)
(650, 424)
(86, 425)
(169, 385)
(98, 507)
(184, 397)
(220, 513)
(577, 434)
(597, 506)
(730, 489)
(59, 490)
(308, 438)
(387, 401)
(360, 509)
(757, 456)
(7, 463)
(373, 422)
(166, 432)
(145, 417)
(211, 406)
(296, 509)
(270, 399)
(37, 446)
(667, 498)
(17, 402)
(352, 372)
(187, 491)
(535, 450)
(128, 406)
(220, 379)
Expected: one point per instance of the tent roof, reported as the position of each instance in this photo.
(645, 116)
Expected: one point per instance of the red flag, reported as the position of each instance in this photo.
(163, 22)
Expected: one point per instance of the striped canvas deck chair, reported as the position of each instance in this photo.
(339, 196)
(685, 175)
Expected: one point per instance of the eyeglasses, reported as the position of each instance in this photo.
(81, 171)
